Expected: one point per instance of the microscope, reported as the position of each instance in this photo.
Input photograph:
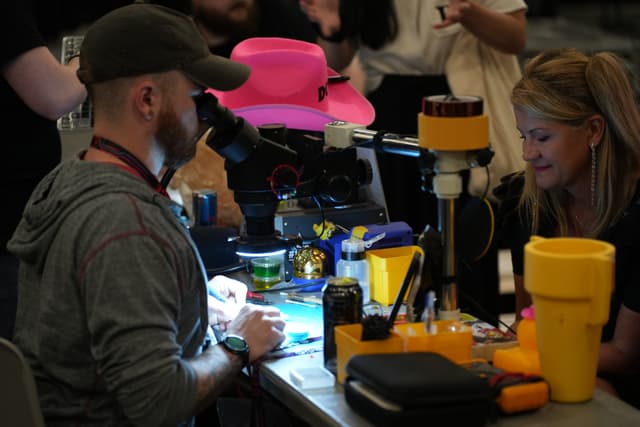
(453, 136)
(264, 168)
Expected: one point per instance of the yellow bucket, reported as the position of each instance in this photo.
(570, 281)
(387, 268)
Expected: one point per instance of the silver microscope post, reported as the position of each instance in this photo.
(447, 186)
(446, 215)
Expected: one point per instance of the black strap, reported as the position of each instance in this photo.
(130, 160)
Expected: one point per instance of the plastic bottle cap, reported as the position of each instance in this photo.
(353, 245)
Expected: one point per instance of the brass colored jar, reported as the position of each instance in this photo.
(309, 263)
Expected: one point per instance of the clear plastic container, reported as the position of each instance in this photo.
(353, 263)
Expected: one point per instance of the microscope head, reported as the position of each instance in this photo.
(263, 172)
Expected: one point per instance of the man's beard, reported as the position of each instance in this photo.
(220, 24)
(174, 139)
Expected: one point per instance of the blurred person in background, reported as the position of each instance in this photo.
(403, 47)
(410, 49)
(36, 89)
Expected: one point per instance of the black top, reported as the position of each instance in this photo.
(56, 17)
(277, 18)
(36, 149)
(24, 25)
(624, 235)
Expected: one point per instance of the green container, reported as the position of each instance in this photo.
(266, 272)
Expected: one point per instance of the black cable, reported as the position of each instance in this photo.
(319, 204)
(487, 315)
(322, 219)
(166, 178)
(226, 269)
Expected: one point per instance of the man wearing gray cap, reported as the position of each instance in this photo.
(113, 302)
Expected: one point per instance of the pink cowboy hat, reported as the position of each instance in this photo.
(289, 83)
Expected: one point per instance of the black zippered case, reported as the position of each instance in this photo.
(422, 388)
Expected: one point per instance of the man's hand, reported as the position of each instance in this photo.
(231, 289)
(235, 293)
(260, 326)
(216, 367)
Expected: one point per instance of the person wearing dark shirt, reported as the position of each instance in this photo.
(580, 128)
(35, 90)
(225, 23)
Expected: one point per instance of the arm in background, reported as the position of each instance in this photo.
(44, 84)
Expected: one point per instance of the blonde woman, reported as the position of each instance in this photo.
(580, 129)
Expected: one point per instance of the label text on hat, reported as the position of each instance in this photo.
(323, 91)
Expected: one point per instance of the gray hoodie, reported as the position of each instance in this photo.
(112, 299)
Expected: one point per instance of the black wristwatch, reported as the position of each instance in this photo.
(237, 345)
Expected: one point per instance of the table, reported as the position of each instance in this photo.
(328, 407)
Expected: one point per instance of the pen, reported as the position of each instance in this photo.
(430, 313)
(256, 298)
(311, 299)
(411, 272)
(214, 293)
(297, 343)
(309, 340)
(290, 301)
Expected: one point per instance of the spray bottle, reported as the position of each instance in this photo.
(353, 262)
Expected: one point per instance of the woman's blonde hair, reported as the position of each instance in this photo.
(569, 86)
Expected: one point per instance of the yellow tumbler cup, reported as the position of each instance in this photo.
(570, 281)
